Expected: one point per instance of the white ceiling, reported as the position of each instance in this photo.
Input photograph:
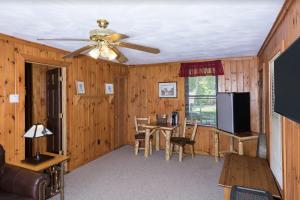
(182, 29)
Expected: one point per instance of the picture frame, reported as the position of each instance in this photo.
(167, 89)
(109, 88)
(80, 87)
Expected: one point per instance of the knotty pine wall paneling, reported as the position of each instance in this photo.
(284, 32)
(90, 121)
(240, 76)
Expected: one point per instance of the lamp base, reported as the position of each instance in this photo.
(37, 159)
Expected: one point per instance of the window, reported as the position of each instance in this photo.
(200, 94)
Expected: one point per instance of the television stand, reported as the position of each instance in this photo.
(240, 137)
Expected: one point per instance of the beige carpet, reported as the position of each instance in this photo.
(120, 175)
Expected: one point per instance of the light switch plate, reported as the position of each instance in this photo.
(13, 98)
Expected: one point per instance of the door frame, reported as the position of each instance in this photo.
(270, 62)
(63, 66)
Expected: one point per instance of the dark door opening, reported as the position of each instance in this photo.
(28, 108)
(43, 104)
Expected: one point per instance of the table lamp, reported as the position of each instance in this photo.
(38, 130)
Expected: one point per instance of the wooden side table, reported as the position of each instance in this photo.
(57, 160)
(241, 138)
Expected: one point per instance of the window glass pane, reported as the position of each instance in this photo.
(201, 99)
(202, 85)
(203, 110)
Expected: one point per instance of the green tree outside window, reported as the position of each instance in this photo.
(201, 99)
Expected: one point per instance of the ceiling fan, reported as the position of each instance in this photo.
(104, 43)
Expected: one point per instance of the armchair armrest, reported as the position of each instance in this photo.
(24, 182)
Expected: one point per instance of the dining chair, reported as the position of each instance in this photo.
(141, 133)
(181, 141)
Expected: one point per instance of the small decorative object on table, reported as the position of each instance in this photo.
(162, 119)
(175, 118)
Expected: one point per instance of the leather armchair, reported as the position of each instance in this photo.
(18, 183)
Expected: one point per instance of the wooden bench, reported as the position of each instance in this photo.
(247, 172)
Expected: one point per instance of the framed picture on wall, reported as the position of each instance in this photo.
(167, 89)
(80, 87)
(109, 88)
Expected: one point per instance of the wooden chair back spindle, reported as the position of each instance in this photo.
(138, 121)
(140, 133)
(184, 127)
(194, 130)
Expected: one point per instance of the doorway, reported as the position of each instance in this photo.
(119, 138)
(44, 103)
(275, 129)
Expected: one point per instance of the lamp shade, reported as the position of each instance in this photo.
(37, 130)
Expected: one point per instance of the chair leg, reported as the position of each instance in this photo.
(171, 149)
(180, 153)
(136, 147)
(193, 152)
(150, 147)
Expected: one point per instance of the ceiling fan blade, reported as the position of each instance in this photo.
(121, 58)
(138, 47)
(115, 37)
(64, 39)
(78, 51)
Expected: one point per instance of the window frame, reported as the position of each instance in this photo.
(187, 97)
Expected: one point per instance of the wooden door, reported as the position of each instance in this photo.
(54, 110)
(120, 105)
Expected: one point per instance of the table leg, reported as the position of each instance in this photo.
(241, 148)
(231, 144)
(168, 138)
(177, 132)
(147, 138)
(216, 137)
(62, 190)
(157, 140)
(227, 192)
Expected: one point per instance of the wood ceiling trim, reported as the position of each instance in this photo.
(39, 60)
(284, 10)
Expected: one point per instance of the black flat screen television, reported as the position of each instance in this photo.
(287, 82)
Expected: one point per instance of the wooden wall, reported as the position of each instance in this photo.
(241, 75)
(285, 30)
(91, 121)
(90, 124)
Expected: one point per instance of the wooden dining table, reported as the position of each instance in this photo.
(166, 130)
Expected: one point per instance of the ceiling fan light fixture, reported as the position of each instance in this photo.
(104, 51)
(104, 44)
(107, 52)
(95, 53)
(112, 55)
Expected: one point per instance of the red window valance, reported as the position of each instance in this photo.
(201, 69)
